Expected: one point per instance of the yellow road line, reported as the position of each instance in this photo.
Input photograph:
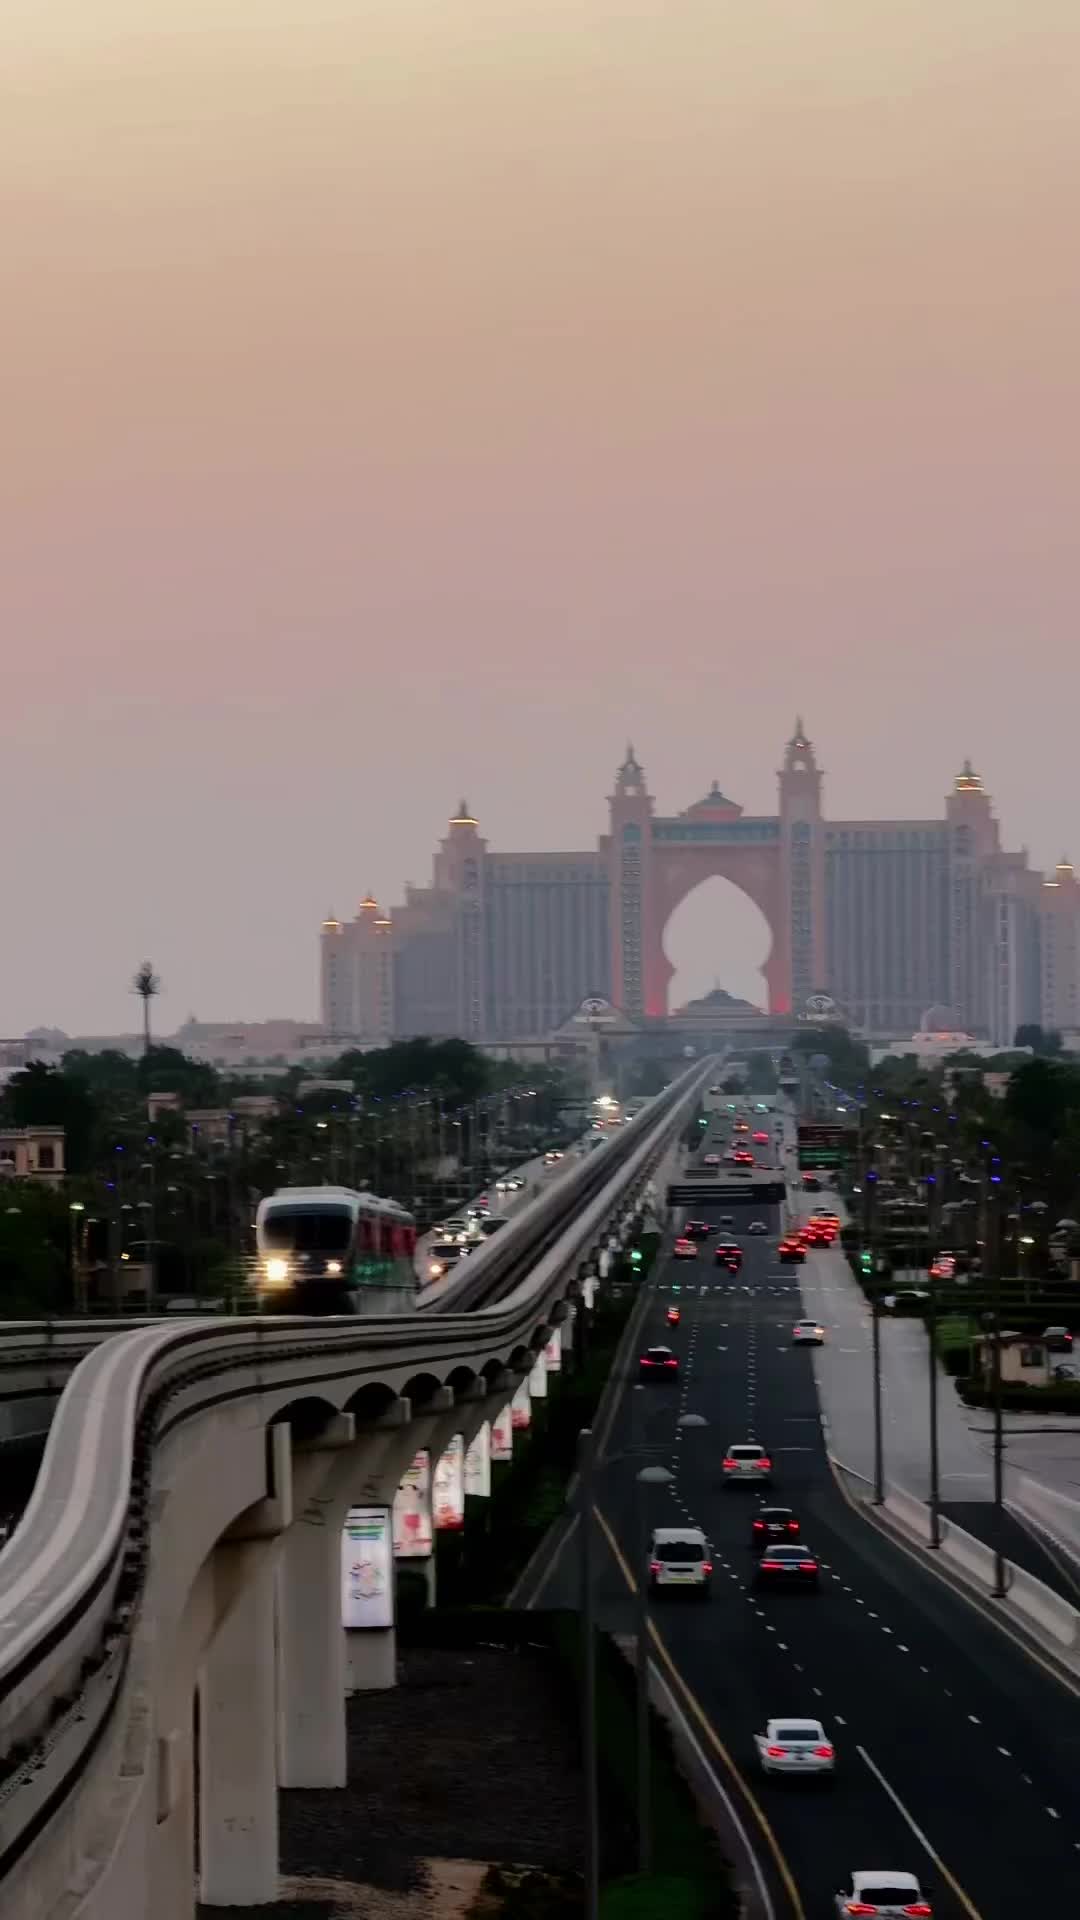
(697, 1710)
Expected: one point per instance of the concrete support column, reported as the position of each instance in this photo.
(238, 1817)
(310, 1650)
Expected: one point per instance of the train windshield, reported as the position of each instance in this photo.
(306, 1230)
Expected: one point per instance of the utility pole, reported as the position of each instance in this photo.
(586, 1457)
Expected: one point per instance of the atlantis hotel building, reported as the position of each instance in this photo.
(890, 918)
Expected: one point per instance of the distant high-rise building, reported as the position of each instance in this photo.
(889, 918)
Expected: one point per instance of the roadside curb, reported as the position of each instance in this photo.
(712, 1799)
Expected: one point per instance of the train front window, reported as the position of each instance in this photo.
(319, 1231)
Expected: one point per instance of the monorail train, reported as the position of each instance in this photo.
(331, 1250)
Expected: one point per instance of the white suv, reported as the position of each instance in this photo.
(680, 1557)
(748, 1464)
(880, 1890)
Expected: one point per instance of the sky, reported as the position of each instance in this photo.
(409, 399)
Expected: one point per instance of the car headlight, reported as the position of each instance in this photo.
(436, 1269)
(277, 1271)
(333, 1268)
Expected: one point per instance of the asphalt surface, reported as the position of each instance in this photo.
(949, 1737)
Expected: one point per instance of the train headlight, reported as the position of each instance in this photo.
(277, 1271)
(333, 1268)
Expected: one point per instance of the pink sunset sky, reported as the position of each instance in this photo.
(410, 398)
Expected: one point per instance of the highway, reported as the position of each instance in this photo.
(957, 1751)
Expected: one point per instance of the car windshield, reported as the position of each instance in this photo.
(680, 1550)
(798, 1735)
(746, 1453)
(885, 1893)
(659, 1353)
(296, 1230)
(787, 1553)
(775, 1514)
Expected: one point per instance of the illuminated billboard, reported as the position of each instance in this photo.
(367, 1576)
(412, 1512)
(448, 1498)
(478, 1466)
(502, 1435)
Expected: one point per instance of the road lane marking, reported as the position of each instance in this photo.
(931, 1853)
(711, 1735)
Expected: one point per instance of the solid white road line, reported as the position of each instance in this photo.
(920, 1836)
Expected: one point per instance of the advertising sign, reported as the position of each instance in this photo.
(367, 1575)
(538, 1380)
(521, 1408)
(449, 1494)
(478, 1466)
(553, 1353)
(412, 1512)
(502, 1435)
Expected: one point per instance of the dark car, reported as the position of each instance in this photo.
(773, 1523)
(658, 1363)
(696, 1230)
(784, 1566)
(791, 1253)
(728, 1255)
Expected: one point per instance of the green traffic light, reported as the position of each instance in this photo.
(635, 1257)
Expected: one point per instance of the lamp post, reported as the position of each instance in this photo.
(586, 1457)
(75, 1211)
(647, 1477)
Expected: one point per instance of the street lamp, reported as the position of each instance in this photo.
(74, 1210)
(646, 1478)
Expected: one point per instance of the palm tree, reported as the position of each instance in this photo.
(146, 984)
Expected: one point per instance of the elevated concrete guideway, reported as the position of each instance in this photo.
(183, 1543)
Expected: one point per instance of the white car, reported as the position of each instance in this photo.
(881, 1890)
(748, 1464)
(808, 1333)
(795, 1746)
(680, 1557)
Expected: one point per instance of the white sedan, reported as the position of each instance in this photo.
(808, 1333)
(795, 1746)
(884, 1891)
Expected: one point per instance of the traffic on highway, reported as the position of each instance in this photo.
(889, 1749)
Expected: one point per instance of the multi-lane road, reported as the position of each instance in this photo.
(959, 1754)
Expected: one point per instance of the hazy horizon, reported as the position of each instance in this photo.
(415, 401)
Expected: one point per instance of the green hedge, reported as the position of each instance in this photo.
(1062, 1397)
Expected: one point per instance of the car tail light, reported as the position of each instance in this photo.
(776, 1753)
(920, 1907)
(859, 1906)
(654, 1566)
(671, 1363)
(763, 1464)
(706, 1566)
(823, 1753)
(771, 1566)
(759, 1526)
(807, 1566)
(793, 1526)
(730, 1463)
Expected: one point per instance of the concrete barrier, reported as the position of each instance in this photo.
(1032, 1605)
(1054, 1513)
(1045, 1609)
(971, 1556)
(911, 1514)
